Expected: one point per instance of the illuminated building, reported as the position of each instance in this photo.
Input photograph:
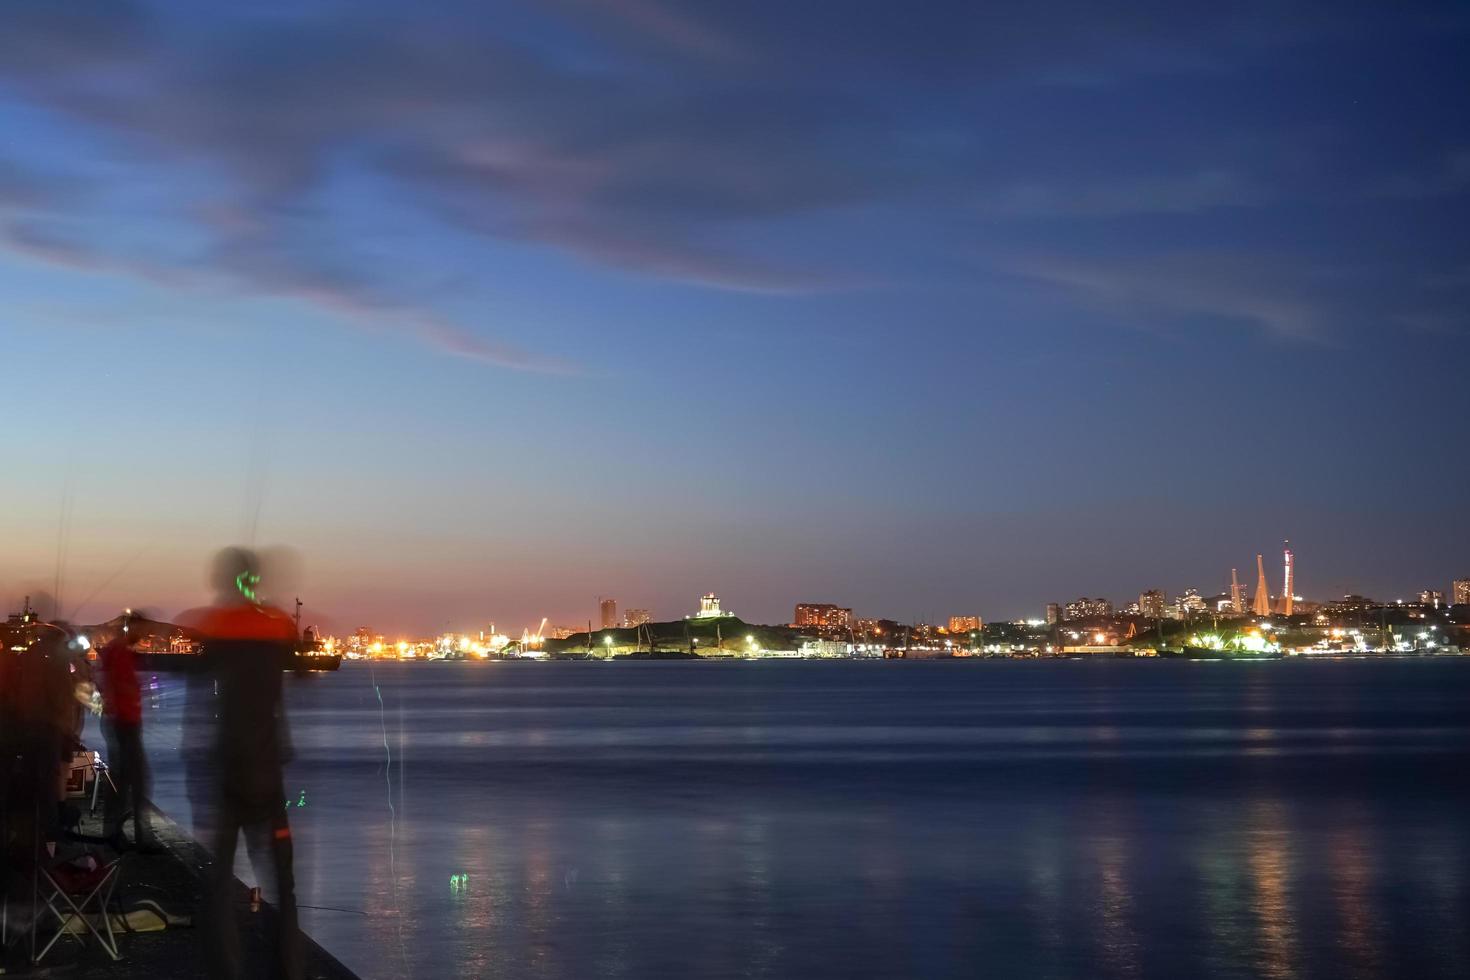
(1431, 597)
(636, 617)
(1286, 585)
(1151, 604)
(821, 615)
(1053, 613)
(1083, 607)
(709, 608)
(1460, 591)
(609, 610)
(887, 632)
(965, 624)
(562, 632)
(1261, 604)
(1191, 602)
(1237, 597)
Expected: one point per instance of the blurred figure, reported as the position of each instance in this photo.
(39, 722)
(247, 646)
(122, 724)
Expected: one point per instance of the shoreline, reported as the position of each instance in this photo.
(195, 860)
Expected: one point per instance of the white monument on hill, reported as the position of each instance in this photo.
(709, 608)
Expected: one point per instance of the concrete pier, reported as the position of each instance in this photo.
(175, 880)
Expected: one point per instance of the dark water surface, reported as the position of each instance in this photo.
(881, 819)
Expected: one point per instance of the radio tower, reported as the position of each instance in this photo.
(1285, 602)
(1237, 600)
(1261, 604)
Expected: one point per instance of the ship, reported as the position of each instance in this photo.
(169, 648)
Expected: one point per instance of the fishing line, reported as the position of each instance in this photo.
(392, 813)
(112, 578)
(245, 903)
(63, 531)
(255, 481)
(257, 459)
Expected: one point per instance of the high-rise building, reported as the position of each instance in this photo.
(965, 624)
(1460, 591)
(1053, 613)
(822, 615)
(1284, 605)
(1084, 607)
(1237, 597)
(1151, 604)
(1431, 597)
(1192, 602)
(609, 610)
(636, 617)
(1261, 603)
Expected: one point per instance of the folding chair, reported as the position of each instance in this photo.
(78, 890)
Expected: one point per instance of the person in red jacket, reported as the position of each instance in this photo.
(122, 723)
(247, 646)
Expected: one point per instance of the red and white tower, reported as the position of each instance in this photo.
(1285, 603)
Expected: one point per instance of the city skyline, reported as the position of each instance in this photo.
(918, 310)
(603, 611)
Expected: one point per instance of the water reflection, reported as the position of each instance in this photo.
(1117, 938)
(883, 823)
(1351, 865)
(1270, 867)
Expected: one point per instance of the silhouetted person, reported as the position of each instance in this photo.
(38, 724)
(247, 646)
(44, 712)
(122, 724)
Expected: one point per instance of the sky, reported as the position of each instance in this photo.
(490, 309)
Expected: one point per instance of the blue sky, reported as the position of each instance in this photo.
(489, 309)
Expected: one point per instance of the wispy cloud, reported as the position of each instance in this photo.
(673, 141)
(1447, 176)
(1191, 193)
(354, 301)
(1156, 291)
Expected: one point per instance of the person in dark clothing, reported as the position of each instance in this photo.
(38, 723)
(247, 645)
(122, 724)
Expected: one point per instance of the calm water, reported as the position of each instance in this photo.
(840, 820)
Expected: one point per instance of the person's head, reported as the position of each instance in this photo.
(236, 576)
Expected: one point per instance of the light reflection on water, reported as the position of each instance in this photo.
(879, 819)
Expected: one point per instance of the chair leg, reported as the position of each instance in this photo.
(98, 773)
(109, 944)
(61, 929)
